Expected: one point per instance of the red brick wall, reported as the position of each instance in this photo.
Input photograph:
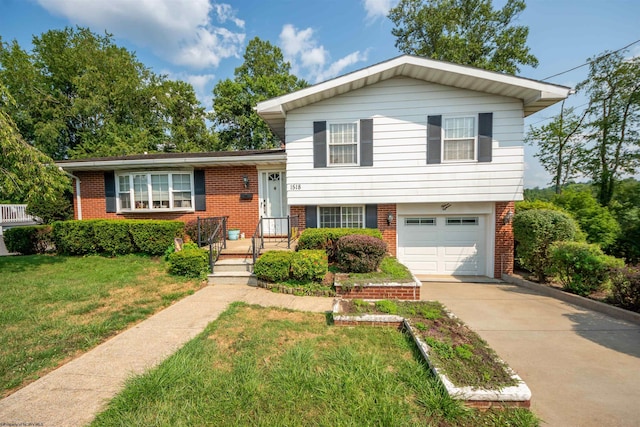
(503, 261)
(223, 187)
(409, 292)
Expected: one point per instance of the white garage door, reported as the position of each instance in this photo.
(443, 244)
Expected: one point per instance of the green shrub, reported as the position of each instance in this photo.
(76, 237)
(273, 266)
(113, 237)
(192, 262)
(527, 205)
(582, 268)
(191, 230)
(535, 231)
(360, 254)
(35, 239)
(625, 287)
(50, 211)
(309, 265)
(153, 237)
(327, 238)
(172, 248)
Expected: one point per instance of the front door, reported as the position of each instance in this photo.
(273, 200)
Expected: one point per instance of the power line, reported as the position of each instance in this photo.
(593, 60)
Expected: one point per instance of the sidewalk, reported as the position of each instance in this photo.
(74, 393)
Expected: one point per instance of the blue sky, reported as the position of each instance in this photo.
(202, 41)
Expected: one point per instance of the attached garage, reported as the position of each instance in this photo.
(453, 244)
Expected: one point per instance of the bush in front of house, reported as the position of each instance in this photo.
(190, 262)
(153, 237)
(191, 230)
(273, 266)
(535, 231)
(625, 287)
(309, 265)
(34, 239)
(75, 237)
(113, 237)
(360, 253)
(582, 268)
(327, 238)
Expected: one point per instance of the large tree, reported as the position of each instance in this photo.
(613, 88)
(263, 75)
(560, 145)
(26, 174)
(468, 32)
(79, 95)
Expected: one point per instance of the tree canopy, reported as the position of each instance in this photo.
(80, 95)
(263, 75)
(468, 32)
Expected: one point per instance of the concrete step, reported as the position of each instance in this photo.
(232, 278)
(233, 264)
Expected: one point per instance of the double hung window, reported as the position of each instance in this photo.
(341, 217)
(343, 144)
(459, 139)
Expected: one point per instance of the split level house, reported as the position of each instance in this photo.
(430, 153)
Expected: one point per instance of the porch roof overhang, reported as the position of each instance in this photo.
(535, 95)
(176, 160)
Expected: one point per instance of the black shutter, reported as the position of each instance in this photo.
(366, 142)
(434, 139)
(371, 216)
(319, 144)
(199, 190)
(110, 191)
(311, 217)
(485, 136)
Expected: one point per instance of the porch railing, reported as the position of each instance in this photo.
(274, 229)
(213, 232)
(15, 215)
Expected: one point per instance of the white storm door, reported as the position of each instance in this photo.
(274, 202)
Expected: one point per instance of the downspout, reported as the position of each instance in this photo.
(78, 198)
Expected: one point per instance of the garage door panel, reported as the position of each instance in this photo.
(443, 248)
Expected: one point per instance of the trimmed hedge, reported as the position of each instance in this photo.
(309, 265)
(190, 262)
(582, 268)
(625, 287)
(273, 266)
(82, 237)
(359, 253)
(327, 238)
(34, 239)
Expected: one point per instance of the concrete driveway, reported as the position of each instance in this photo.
(583, 367)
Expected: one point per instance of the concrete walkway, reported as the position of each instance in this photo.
(73, 394)
(583, 367)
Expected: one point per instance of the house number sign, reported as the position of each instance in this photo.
(295, 187)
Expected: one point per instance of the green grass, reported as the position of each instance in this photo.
(390, 271)
(53, 308)
(270, 367)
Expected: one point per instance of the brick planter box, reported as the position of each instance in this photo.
(518, 396)
(409, 291)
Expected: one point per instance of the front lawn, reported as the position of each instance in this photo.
(270, 367)
(52, 308)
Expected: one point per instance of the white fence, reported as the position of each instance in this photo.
(15, 215)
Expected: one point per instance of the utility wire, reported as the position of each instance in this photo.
(593, 60)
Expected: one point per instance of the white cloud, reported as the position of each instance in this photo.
(180, 31)
(311, 60)
(378, 8)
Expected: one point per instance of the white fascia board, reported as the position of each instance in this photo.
(136, 163)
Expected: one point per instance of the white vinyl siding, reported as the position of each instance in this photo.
(154, 191)
(400, 174)
(458, 139)
(343, 144)
(341, 217)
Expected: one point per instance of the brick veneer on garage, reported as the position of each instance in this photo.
(223, 188)
(503, 261)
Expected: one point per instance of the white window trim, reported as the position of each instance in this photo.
(357, 144)
(475, 138)
(130, 174)
(362, 207)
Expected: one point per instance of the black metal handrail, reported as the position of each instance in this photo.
(213, 232)
(275, 231)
